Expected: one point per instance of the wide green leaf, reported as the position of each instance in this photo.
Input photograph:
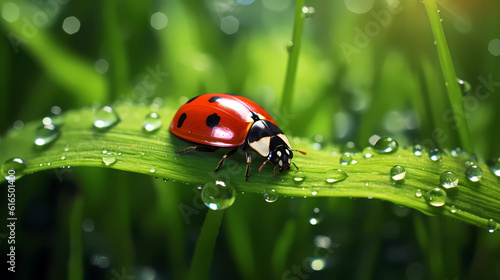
(154, 154)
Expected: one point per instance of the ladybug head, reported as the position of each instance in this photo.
(281, 156)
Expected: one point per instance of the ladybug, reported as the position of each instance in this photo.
(219, 120)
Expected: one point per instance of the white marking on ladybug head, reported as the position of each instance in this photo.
(287, 152)
(280, 163)
(289, 161)
(283, 137)
(261, 146)
(279, 153)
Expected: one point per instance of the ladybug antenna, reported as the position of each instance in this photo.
(304, 153)
(295, 165)
(262, 166)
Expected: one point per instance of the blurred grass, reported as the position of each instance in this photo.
(338, 96)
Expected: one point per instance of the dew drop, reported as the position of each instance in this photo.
(458, 152)
(436, 197)
(417, 150)
(368, 152)
(474, 173)
(46, 135)
(347, 159)
(418, 193)
(152, 170)
(270, 195)
(398, 173)
(152, 122)
(217, 195)
(492, 225)
(494, 165)
(54, 118)
(108, 158)
(465, 87)
(298, 176)
(105, 118)
(386, 145)
(13, 169)
(453, 209)
(435, 154)
(448, 179)
(335, 175)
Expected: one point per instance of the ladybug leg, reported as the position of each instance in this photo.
(262, 166)
(224, 157)
(198, 148)
(295, 165)
(249, 160)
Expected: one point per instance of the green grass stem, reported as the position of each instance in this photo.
(450, 77)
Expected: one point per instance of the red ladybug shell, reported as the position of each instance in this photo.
(217, 119)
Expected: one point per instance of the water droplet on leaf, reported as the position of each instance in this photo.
(298, 176)
(346, 159)
(46, 135)
(152, 122)
(335, 175)
(436, 197)
(435, 154)
(217, 195)
(418, 193)
(13, 169)
(417, 150)
(492, 226)
(270, 195)
(108, 158)
(106, 118)
(494, 165)
(386, 145)
(398, 173)
(448, 179)
(474, 173)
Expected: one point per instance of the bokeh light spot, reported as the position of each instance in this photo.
(159, 21)
(71, 25)
(229, 25)
(494, 47)
(10, 12)
(359, 6)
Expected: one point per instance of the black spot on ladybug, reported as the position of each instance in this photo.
(192, 99)
(214, 99)
(181, 120)
(213, 120)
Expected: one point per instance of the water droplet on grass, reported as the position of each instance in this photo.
(474, 173)
(386, 145)
(335, 175)
(217, 195)
(465, 87)
(152, 122)
(453, 209)
(13, 169)
(448, 179)
(54, 118)
(270, 195)
(46, 135)
(108, 158)
(398, 173)
(105, 118)
(298, 176)
(436, 197)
